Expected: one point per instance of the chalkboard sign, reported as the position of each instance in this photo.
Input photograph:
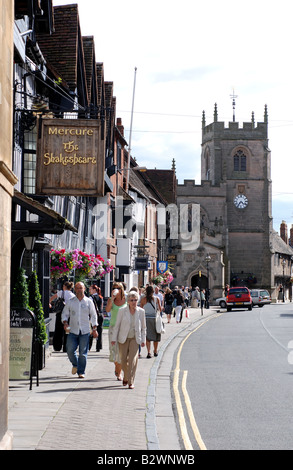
(22, 318)
(21, 349)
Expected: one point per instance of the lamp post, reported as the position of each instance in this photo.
(283, 265)
(208, 260)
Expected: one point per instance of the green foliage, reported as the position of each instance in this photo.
(35, 302)
(20, 295)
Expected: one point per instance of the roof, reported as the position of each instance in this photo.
(279, 246)
(61, 48)
(165, 182)
(137, 184)
(90, 64)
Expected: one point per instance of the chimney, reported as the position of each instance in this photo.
(120, 127)
(284, 232)
(291, 236)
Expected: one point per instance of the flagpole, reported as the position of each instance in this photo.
(130, 132)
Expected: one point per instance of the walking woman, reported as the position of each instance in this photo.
(151, 305)
(130, 332)
(178, 297)
(168, 300)
(98, 300)
(115, 302)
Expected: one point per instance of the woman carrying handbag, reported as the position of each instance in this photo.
(151, 306)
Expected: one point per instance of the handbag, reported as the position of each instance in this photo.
(174, 304)
(59, 304)
(159, 324)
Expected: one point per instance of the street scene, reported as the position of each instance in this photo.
(146, 233)
(237, 394)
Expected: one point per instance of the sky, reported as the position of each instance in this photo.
(190, 55)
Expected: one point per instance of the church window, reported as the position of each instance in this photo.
(207, 165)
(239, 161)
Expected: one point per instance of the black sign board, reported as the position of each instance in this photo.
(21, 318)
(141, 264)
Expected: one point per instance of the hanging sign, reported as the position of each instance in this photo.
(70, 157)
(162, 266)
(141, 263)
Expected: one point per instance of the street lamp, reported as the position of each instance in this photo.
(29, 243)
(283, 265)
(208, 260)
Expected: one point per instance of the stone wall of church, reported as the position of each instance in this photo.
(213, 237)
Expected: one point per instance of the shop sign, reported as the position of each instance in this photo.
(70, 157)
(141, 264)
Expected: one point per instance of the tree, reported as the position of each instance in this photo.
(20, 295)
(35, 302)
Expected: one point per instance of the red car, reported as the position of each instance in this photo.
(238, 297)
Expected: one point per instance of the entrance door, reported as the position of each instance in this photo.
(201, 282)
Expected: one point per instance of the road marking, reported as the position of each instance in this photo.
(181, 418)
(193, 424)
(182, 422)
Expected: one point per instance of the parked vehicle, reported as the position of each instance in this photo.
(260, 297)
(238, 297)
(221, 301)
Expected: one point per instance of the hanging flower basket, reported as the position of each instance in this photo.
(163, 279)
(78, 264)
(61, 263)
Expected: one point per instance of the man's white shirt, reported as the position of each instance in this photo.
(80, 313)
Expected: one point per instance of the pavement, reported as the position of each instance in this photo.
(98, 413)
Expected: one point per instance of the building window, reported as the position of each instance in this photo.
(207, 165)
(30, 162)
(239, 161)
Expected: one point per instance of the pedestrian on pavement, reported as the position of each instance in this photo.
(185, 293)
(160, 296)
(80, 310)
(130, 332)
(151, 306)
(196, 297)
(115, 302)
(97, 298)
(168, 303)
(59, 337)
(178, 297)
(136, 289)
(202, 298)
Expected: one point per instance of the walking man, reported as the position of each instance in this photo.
(80, 310)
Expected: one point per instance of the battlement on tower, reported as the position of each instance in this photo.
(248, 131)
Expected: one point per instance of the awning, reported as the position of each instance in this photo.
(47, 220)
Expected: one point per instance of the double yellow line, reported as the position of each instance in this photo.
(181, 418)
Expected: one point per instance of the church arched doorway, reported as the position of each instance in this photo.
(201, 282)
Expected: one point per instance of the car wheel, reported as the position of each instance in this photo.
(229, 309)
(250, 307)
(222, 304)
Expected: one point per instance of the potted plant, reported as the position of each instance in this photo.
(35, 302)
(20, 294)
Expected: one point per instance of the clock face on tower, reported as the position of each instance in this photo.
(241, 201)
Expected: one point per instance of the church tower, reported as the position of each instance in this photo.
(238, 159)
